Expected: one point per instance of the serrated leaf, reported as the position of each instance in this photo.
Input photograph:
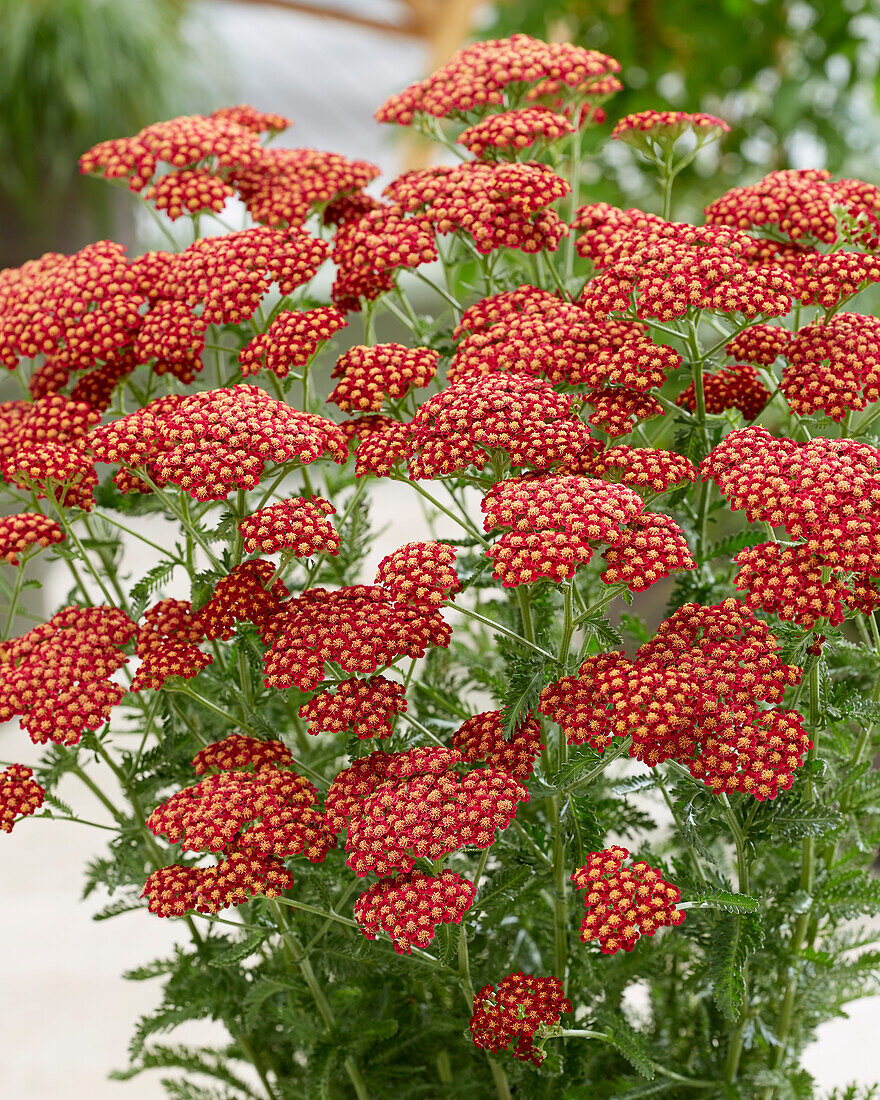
(525, 680)
(447, 942)
(257, 995)
(502, 886)
(725, 901)
(241, 950)
(733, 939)
(729, 547)
(629, 1043)
(141, 592)
(804, 823)
(121, 905)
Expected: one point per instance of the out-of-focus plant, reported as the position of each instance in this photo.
(72, 71)
(797, 80)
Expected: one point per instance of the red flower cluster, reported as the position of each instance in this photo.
(254, 818)
(409, 907)
(788, 581)
(833, 366)
(665, 268)
(692, 694)
(285, 185)
(759, 344)
(298, 526)
(57, 676)
(401, 807)
(189, 192)
(624, 903)
(523, 417)
(514, 1011)
(652, 547)
(365, 708)
(171, 333)
(237, 753)
(553, 520)
(667, 126)
(795, 201)
(824, 492)
(483, 72)
(260, 122)
(20, 795)
(360, 628)
(638, 467)
(370, 374)
(165, 643)
(534, 332)
(383, 443)
(180, 142)
(174, 891)
(511, 131)
(736, 386)
(617, 410)
(369, 248)
(481, 739)
(290, 341)
(24, 530)
(231, 273)
(419, 573)
(242, 596)
(211, 442)
(498, 205)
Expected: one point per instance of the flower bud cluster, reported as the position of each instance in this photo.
(481, 739)
(57, 676)
(290, 341)
(512, 1013)
(409, 907)
(624, 903)
(297, 526)
(369, 375)
(19, 532)
(402, 807)
(365, 708)
(20, 795)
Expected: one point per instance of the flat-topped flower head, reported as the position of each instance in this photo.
(174, 891)
(506, 1018)
(248, 593)
(415, 805)
(238, 752)
(617, 410)
(57, 676)
(624, 903)
(824, 491)
(380, 444)
(481, 739)
(189, 191)
(561, 341)
(169, 658)
(26, 529)
(290, 341)
(269, 812)
(497, 205)
(409, 907)
(368, 250)
(211, 442)
(637, 467)
(833, 367)
(759, 344)
(20, 795)
(420, 573)
(261, 122)
(370, 375)
(182, 142)
(482, 73)
(735, 386)
(652, 547)
(506, 133)
(796, 202)
(524, 418)
(284, 186)
(667, 268)
(360, 628)
(657, 131)
(298, 526)
(365, 708)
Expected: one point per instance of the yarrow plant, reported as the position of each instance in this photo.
(573, 798)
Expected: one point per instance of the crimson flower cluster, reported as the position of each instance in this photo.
(402, 807)
(512, 1013)
(20, 795)
(252, 819)
(365, 708)
(409, 907)
(298, 526)
(369, 375)
(624, 903)
(27, 529)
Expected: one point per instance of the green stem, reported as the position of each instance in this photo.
(13, 603)
(498, 628)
